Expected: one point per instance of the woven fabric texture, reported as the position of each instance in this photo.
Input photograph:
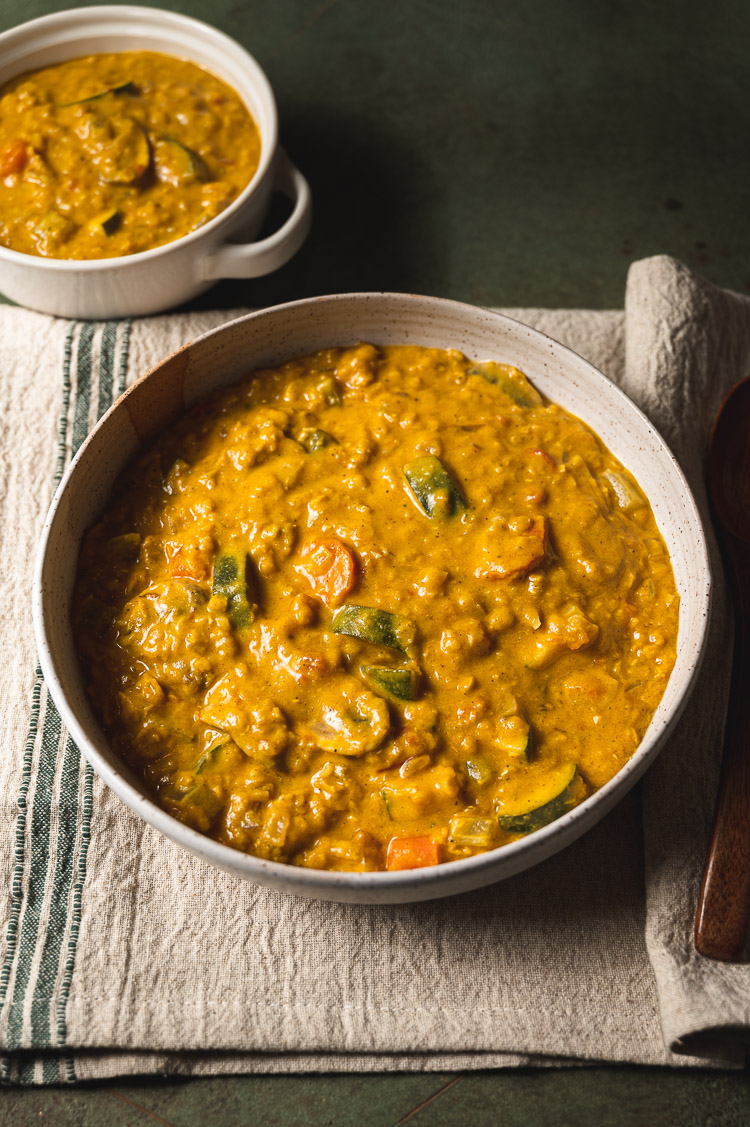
(123, 954)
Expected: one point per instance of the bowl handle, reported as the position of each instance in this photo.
(252, 260)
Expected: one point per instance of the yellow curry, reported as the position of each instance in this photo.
(113, 154)
(376, 608)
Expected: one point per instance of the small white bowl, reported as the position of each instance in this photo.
(268, 338)
(168, 275)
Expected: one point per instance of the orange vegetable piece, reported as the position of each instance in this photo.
(412, 853)
(330, 568)
(544, 456)
(510, 554)
(13, 157)
(189, 564)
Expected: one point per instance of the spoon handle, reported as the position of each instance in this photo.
(721, 921)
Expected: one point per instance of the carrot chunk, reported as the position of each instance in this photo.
(188, 563)
(512, 552)
(330, 568)
(13, 158)
(412, 853)
(544, 456)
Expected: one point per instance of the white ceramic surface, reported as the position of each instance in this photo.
(269, 337)
(166, 276)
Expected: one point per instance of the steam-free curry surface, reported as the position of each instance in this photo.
(111, 154)
(378, 608)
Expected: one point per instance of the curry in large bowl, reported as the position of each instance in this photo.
(376, 608)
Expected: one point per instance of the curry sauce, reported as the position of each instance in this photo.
(113, 154)
(376, 608)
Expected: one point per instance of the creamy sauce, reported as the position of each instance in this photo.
(380, 607)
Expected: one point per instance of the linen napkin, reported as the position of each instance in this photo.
(122, 954)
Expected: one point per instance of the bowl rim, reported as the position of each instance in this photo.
(153, 16)
(431, 881)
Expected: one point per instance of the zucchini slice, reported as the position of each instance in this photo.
(509, 380)
(371, 625)
(124, 88)
(51, 230)
(472, 831)
(516, 737)
(176, 164)
(96, 616)
(198, 803)
(479, 770)
(213, 757)
(550, 800)
(313, 440)
(401, 684)
(400, 806)
(433, 487)
(231, 580)
(330, 391)
(124, 549)
(117, 147)
(107, 223)
(626, 495)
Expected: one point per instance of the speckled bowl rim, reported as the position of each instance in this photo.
(450, 877)
(269, 147)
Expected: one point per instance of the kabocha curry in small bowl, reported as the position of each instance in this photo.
(118, 153)
(377, 608)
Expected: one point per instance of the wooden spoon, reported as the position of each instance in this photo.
(721, 921)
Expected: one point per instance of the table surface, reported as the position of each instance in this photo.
(517, 154)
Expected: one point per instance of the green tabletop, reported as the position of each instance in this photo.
(503, 153)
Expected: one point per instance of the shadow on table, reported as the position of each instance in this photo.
(369, 225)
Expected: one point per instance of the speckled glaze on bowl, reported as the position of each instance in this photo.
(165, 276)
(274, 335)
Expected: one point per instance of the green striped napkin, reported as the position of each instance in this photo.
(122, 954)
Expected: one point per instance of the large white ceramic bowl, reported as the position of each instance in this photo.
(168, 275)
(274, 335)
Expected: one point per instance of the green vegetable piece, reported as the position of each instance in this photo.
(211, 758)
(181, 595)
(330, 391)
(314, 440)
(433, 487)
(108, 222)
(124, 88)
(124, 549)
(52, 230)
(550, 801)
(401, 684)
(371, 625)
(95, 615)
(479, 770)
(176, 164)
(626, 495)
(177, 470)
(199, 795)
(116, 146)
(399, 807)
(519, 743)
(231, 580)
(466, 829)
(509, 380)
